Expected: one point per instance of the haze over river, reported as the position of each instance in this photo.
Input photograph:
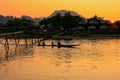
(92, 60)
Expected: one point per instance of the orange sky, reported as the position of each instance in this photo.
(109, 9)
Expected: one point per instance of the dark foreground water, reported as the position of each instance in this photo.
(92, 60)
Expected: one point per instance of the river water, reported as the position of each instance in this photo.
(92, 60)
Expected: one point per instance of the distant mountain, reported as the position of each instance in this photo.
(4, 19)
(36, 20)
(26, 17)
(62, 13)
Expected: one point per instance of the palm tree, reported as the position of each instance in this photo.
(17, 22)
(117, 23)
(95, 21)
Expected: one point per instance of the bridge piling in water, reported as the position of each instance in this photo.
(16, 34)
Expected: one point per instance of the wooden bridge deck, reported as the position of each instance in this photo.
(10, 33)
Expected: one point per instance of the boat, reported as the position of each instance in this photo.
(69, 46)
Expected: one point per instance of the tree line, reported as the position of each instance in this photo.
(65, 22)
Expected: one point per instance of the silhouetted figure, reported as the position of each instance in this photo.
(39, 44)
(43, 44)
(59, 44)
(52, 44)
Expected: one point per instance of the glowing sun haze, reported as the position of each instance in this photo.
(109, 9)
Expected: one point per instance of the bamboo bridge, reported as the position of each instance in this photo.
(30, 35)
(24, 37)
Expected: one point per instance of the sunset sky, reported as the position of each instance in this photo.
(109, 9)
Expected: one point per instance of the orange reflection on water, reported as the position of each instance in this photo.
(92, 60)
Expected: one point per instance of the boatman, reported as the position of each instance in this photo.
(59, 44)
(52, 44)
(39, 44)
(43, 44)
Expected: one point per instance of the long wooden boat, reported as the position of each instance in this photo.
(69, 46)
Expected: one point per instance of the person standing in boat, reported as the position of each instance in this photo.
(43, 44)
(59, 44)
(39, 44)
(52, 44)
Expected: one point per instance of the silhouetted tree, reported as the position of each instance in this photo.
(69, 21)
(44, 22)
(117, 23)
(57, 21)
(95, 21)
(26, 22)
(17, 22)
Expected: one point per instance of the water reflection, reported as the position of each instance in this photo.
(92, 60)
(10, 51)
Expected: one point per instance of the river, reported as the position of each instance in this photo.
(92, 60)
